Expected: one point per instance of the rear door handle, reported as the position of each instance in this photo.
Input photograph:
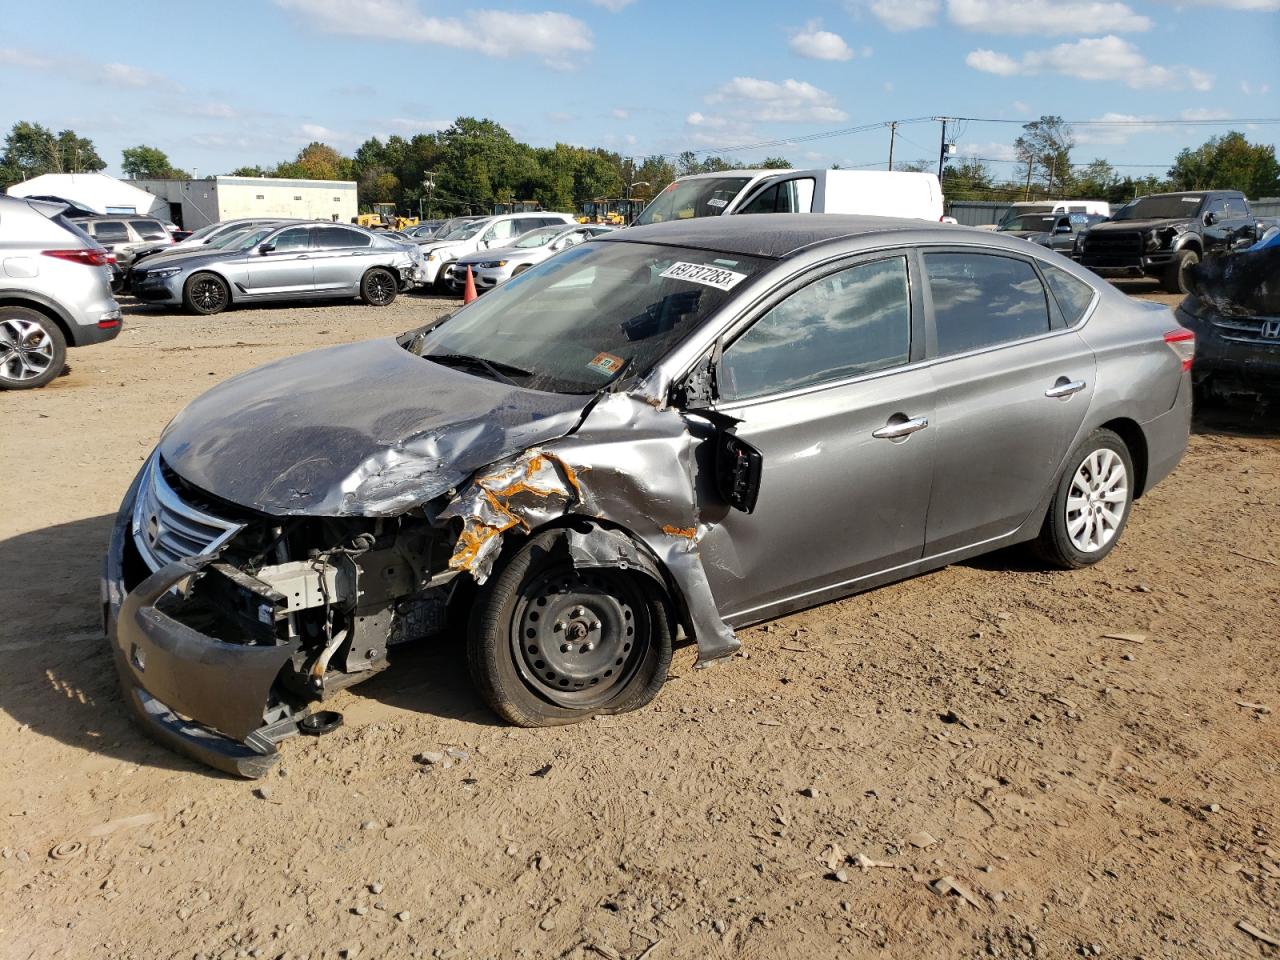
(1064, 388)
(900, 428)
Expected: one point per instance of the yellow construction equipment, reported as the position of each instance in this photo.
(384, 217)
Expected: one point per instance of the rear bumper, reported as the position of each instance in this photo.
(193, 693)
(99, 334)
(1168, 434)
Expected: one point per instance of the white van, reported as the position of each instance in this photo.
(1047, 207)
(877, 193)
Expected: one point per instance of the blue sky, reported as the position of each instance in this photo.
(219, 85)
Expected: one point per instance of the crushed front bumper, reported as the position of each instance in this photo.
(193, 693)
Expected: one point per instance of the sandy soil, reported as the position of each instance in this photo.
(1083, 794)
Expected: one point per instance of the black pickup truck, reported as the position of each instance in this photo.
(1164, 235)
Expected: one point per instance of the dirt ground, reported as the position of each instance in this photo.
(1084, 794)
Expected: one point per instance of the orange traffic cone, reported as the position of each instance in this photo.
(469, 291)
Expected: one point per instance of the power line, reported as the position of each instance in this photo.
(1130, 122)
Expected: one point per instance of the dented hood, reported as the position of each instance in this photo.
(1245, 284)
(365, 429)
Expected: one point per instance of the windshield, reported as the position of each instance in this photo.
(1169, 207)
(537, 238)
(204, 231)
(229, 239)
(1037, 222)
(1013, 213)
(577, 321)
(251, 238)
(686, 199)
(464, 232)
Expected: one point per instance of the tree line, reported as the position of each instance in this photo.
(476, 163)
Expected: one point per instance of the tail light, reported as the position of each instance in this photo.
(111, 258)
(1183, 343)
(90, 258)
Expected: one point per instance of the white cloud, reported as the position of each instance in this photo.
(1021, 106)
(1046, 17)
(817, 44)
(412, 125)
(618, 113)
(987, 151)
(1113, 129)
(906, 14)
(13, 57)
(1249, 89)
(559, 116)
(613, 6)
(1100, 58)
(314, 131)
(219, 111)
(127, 75)
(768, 101)
(1257, 6)
(1204, 113)
(555, 37)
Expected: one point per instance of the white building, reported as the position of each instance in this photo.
(94, 191)
(194, 203)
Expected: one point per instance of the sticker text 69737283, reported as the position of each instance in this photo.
(717, 277)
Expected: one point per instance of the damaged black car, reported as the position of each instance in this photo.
(682, 428)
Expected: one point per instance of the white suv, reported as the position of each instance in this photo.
(440, 254)
(55, 292)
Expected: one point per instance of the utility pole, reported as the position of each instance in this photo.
(893, 133)
(942, 150)
(1027, 194)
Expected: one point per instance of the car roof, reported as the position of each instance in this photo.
(773, 235)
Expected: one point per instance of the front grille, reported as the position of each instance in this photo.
(1111, 243)
(167, 528)
(1248, 330)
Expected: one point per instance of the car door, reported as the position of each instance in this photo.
(285, 267)
(1217, 228)
(824, 384)
(1013, 385)
(339, 256)
(1242, 228)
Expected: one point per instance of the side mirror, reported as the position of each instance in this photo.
(265, 248)
(739, 467)
(1063, 228)
(1210, 219)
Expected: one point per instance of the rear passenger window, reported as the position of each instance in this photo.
(849, 323)
(980, 300)
(336, 238)
(1073, 295)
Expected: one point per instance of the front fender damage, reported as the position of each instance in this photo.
(628, 465)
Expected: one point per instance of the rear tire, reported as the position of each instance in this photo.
(1091, 506)
(206, 294)
(33, 350)
(549, 644)
(379, 287)
(1175, 275)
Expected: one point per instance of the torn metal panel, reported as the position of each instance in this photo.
(367, 429)
(617, 468)
(1245, 284)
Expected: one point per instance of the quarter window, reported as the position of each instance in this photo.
(149, 229)
(111, 232)
(849, 323)
(980, 300)
(1073, 294)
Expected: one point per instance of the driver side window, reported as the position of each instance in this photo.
(291, 241)
(848, 323)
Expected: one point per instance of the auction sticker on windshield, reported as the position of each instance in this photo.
(716, 277)
(606, 363)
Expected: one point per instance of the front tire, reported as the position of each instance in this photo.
(1091, 506)
(206, 294)
(550, 644)
(33, 350)
(379, 287)
(1176, 274)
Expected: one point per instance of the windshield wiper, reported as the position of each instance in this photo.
(494, 369)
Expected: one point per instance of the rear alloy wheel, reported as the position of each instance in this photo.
(206, 294)
(32, 349)
(551, 644)
(1091, 505)
(379, 287)
(1177, 273)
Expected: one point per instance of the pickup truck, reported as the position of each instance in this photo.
(1165, 234)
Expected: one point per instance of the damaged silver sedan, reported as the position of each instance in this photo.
(688, 427)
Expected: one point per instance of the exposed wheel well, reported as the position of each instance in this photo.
(1133, 437)
(10, 300)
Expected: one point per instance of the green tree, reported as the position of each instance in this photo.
(317, 161)
(254, 171)
(1228, 162)
(967, 180)
(775, 163)
(31, 149)
(1045, 146)
(146, 163)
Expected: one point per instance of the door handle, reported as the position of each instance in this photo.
(1064, 388)
(900, 429)
(304, 256)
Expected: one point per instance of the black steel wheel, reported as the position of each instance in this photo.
(1178, 274)
(551, 644)
(379, 287)
(206, 293)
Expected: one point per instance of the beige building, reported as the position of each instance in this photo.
(194, 203)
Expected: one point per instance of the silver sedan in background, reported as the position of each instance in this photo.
(491, 267)
(290, 261)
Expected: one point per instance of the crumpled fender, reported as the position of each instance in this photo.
(630, 464)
